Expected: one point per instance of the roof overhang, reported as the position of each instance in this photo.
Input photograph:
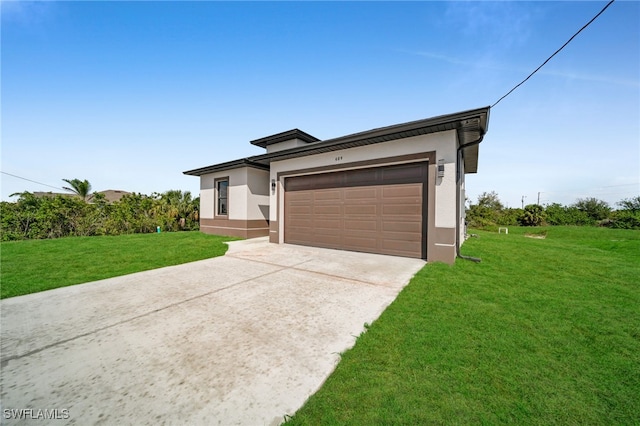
(285, 136)
(470, 126)
(229, 165)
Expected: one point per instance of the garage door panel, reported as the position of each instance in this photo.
(327, 195)
(327, 224)
(401, 248)
(300, 196)
(372, 210)
(328, 209)
(364, 176)
(400, 236)
(400, 226)
(402, 210)
(361, 210)
(397, 191)
(328, 240)
(407, 172)
(361, 225)
(299, 209)
(363, 245)
(366, 193)
(303, 222)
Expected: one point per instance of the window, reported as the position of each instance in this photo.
(222, 197)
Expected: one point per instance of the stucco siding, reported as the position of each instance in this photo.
(248, 199)
(462, 201)
(206, 196)
(281, 146)
(257, 192)
(238, 194)
(446, 198)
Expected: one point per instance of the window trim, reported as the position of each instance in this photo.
(216, 206)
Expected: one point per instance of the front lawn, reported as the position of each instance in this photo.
(36, 265)
(542, 331)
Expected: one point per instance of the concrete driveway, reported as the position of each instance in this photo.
(244, 338)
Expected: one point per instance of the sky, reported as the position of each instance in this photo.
(128, 95)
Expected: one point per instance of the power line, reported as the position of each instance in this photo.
(624, 184)
(39, 183)
(555, 53)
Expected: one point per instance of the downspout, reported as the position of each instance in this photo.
(459, 173)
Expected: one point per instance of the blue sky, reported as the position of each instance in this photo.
(130, 94)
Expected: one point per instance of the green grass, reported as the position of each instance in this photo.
(541, 332)
(37, 265)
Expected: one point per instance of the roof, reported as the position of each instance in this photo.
(285, 136)
(112, 195)
(243, 162)
(470, 125)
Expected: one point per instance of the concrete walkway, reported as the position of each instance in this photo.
(241, 339)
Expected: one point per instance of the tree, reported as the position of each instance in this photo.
(628, 217)
(533, 215)
(490, 200)
(632, 204)
(487, 212)
(557, 214)
(179, 209)
(597, 210)
(79, 187)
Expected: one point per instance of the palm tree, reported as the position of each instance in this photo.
(79, 187)
(179, 206)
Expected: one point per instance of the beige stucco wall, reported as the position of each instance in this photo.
(281, 146)
(463, 196)
(207, 195)
(443, 143)
(248, 193)
(257, 191)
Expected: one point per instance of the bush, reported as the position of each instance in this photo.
(533, 215)
(595, 209)
(509, 217)
(61, 216)
(628, 217)
(625, 219)
(557, 214)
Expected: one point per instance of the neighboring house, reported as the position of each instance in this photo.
(396, 190)
(111, 195)
(42, 194)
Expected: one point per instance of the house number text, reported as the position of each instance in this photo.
(339, 158)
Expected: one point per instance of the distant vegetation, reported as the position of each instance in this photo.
(33, 217)
(489, 212)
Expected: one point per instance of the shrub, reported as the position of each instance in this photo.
(533, 215)
(595, 209)
(57, 216)
(557, 214)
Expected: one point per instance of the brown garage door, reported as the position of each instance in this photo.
(376, 210)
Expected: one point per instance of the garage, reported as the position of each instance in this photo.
(374, 210)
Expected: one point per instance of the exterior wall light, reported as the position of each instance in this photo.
(441, 168)
(273, 185)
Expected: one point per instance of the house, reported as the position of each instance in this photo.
(110, 195)
(395, 190)
(113, 195)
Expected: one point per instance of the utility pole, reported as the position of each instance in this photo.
(523, 197)
(538, 198)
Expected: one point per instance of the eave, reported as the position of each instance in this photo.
(470, 126)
